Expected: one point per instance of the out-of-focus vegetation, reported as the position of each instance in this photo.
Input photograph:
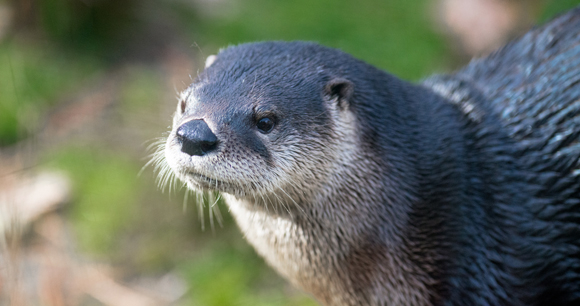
(33, 78)
(396, 35)
(554, 8)
(85, 86)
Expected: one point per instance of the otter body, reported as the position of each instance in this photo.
(363, 189)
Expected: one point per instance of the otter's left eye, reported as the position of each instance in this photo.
(265, 125)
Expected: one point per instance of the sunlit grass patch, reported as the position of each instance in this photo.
(105, 196)
(233, 275)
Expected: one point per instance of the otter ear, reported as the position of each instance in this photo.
(209, 60)
(339, 90)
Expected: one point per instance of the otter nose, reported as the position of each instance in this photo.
(196, 138)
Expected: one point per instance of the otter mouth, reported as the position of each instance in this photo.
(207, 183)
(203, 182)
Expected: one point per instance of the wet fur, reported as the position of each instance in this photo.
(461, 190)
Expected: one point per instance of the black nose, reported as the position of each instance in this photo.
(196, 138)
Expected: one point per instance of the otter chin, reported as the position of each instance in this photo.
(364, 189)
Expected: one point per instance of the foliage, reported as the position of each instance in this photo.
(33, 78)
(396, 35)
(106, 195)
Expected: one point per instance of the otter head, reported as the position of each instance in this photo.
(265, 118)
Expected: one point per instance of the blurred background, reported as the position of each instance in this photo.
(87, 85)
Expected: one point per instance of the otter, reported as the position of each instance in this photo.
(364, 189)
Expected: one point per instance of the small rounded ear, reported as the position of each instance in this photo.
(209, 60)
(339, 90)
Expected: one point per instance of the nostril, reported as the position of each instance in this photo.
(207, 146)
(196, 138)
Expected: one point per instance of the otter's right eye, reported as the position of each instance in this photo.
(265, 125)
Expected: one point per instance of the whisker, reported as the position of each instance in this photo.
(200, 204)
(217, 211)
(295, 204)
(210, 211)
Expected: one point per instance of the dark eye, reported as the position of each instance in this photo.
(265, 125)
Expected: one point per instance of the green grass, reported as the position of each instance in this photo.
(396, 35)
(106, 194)
(234, 275)
(555, 8)
(32, 79)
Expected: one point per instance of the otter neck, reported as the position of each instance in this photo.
(342, 252)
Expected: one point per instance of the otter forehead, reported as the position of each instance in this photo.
(275, 65)
(245, 80)
(287, 57)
